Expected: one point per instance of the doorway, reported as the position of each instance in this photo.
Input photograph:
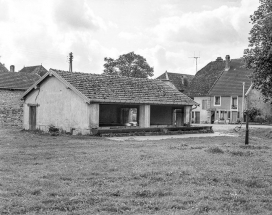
(234, 116)
(32, 117)
(197, 117)
(212, 116)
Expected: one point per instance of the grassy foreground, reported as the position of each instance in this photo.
(42, 174)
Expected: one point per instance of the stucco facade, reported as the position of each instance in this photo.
(59, 106)
(229, 109)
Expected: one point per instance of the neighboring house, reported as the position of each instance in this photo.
(254, 99)
(180, 81)
(218, 88)
(3, 68)
(82, 102)
(39, 70)
(12, 87)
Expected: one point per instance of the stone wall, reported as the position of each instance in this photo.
(11, 108)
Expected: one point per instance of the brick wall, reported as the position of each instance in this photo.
(11, 108)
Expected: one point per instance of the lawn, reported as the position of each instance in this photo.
(43, 174)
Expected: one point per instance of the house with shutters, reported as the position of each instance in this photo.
(180, 81)
(219, 88)
(83, 102)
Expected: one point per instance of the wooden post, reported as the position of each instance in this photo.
(246, 138)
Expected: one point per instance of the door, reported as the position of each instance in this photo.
(212, 117)
(179, 118)
(197, 117)
(32, 117)
(234, 116)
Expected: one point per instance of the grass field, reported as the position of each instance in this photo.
(42, 174)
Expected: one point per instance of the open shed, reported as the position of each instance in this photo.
(84, 101)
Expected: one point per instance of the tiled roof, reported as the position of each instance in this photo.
(231, 82)
(119, 89)
(39, 70)
(15, 80)
(205, 79)
(3, 68)
(176, 79)
(214, 80)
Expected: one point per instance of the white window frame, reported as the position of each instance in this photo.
(231, 102)
(214, 101)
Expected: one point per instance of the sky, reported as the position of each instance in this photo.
(168, 33)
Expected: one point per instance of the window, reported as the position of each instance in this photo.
(217, 100)
(193, 114)
(234, 102)
(204, 104)
(228, 114)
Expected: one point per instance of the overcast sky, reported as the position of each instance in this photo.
(165, 32)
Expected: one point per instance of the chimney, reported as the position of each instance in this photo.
(227, 66)
(168, 82)
(12, 68)
(71, 62)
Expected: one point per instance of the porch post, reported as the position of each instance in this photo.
(187, 115)
(94, 115)
(144, 116)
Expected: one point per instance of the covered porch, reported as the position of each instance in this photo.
(112, 116)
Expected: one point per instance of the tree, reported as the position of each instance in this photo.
(130, 65)
(258, 56)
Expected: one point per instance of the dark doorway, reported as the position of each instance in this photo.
(178, 117)
(32, 117)
(197, 117)
(212, 116)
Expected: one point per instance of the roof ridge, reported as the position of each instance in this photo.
(101, 74)
(216, 81)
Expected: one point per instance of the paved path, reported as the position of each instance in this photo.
(227, 127)
(162, 137)
(219, 130)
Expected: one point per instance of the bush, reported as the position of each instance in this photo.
(259, 119)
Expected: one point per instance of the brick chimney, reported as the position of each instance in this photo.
(227, 66)
(12, 68)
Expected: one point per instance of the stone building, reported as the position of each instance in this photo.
(12, 87)
(81, 101)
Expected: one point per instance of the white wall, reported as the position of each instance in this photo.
(57, 106)
(203, 113)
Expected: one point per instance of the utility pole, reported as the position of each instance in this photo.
(71, 61)
(196, 60)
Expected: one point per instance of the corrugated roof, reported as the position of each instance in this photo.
(230, 82)
(15, 80)
(176, 79)
(39, 70)
(105, 88)
(205, 79)
(3, 68)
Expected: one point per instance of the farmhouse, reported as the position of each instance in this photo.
(81, 101)
(219, 89)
